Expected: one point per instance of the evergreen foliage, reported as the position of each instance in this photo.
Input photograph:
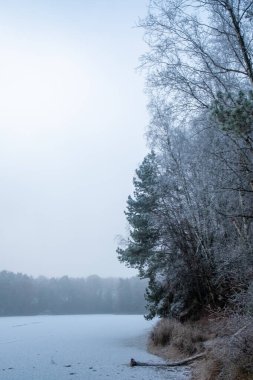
(191, 214)
(235, 114)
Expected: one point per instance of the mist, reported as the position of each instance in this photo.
(72, 121)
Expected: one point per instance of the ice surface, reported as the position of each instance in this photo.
(79, 347)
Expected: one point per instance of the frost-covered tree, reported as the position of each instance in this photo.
(197, 48)
(169, 242)
(191, 224)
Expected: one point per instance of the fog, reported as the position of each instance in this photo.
(25, 295)
(72, 120)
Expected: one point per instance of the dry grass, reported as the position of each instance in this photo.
(235, 351)
(187, 339)
(228, 343)
(206, 369)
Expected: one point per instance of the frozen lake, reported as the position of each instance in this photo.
(78, 347)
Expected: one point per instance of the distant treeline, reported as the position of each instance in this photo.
(24, 295)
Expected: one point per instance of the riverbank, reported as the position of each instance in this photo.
(226, 341)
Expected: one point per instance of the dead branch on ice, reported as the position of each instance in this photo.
(134, 363)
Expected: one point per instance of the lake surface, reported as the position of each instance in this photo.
(79, 347)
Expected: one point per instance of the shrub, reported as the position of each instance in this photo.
(162, 332)
(235, 351)
(186, 338)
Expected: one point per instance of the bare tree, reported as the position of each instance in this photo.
(191, 215)
(197, 49)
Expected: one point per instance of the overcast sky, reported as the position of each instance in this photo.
(72, 123)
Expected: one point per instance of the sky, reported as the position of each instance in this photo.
(72, 122)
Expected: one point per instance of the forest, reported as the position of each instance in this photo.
(24, 295)
(191, 213)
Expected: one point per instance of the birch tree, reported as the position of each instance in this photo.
(191, 214)
(197, 49)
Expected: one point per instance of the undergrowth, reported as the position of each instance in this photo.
(227, 342)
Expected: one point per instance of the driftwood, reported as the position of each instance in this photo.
(134, 363)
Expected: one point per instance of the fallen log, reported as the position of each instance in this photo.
(134, 363)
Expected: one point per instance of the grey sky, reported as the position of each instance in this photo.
(72, 120)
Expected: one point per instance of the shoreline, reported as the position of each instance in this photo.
(226, 343)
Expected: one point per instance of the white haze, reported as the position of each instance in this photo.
(72, 119)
